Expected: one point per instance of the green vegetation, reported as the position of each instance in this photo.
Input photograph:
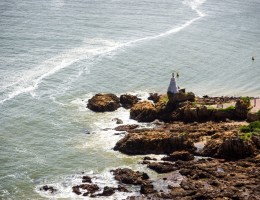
(252, 129)
(164, 99)
(230, 108)
(246, 100)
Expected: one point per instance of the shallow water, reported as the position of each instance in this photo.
(54, 55)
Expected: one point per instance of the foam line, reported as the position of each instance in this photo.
(67, 59)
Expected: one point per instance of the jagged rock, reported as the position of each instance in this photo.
(147, 189)
(128, 100)
(103, 103)
(51, 189)
(156, 142)
(242, 107)
(127, 127)
(252, 117)
(256, 140)
(179, 155)
(231, 148)
(128, 176)
(162, 167)
(143, 112)
(108, 191)
(154, 97)
(180, 97)
(86, 179)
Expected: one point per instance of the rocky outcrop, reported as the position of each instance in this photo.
(103, 103)
(128, 100)
(128, 176)
(156, 142)
(126, 127)
(242, 107)
(86, 189)
(181, 97)
(252, 117)
(155, 97)
(179, 155)
(162, 167)
(230, 148)
(143, 112)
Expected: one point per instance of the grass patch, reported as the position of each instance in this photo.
(230, 108)
(248, 131)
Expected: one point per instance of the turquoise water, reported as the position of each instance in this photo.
(54, 55)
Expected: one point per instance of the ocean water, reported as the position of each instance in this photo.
(56, 54)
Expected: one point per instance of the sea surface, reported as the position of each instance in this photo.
(56, 54)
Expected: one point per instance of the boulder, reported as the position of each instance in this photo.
(153, 142)
(128, 176)
(252, 117)
(154, 97)
(143, 112)
(103, 103)
(179, 155)
(180, 97)
(231, 148)
(126, 127)
(51, 189)
(147, 189)
(162, 167)
(242, 107)
(128, 100)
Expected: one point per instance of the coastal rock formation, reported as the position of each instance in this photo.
(230, 148)
(103, 103)
(181, 97)
(179, 155)
(252, 117)
(86, 189)
(126, 127)
(128, 176)
(154, 97)
(143, 112)
(162, 167)
(156, 142)
(128, 100)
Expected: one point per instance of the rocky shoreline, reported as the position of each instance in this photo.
(211, 152)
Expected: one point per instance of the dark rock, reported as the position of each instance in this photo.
(256, 140)
(108, 191)
(128, 176)
(154, 97)
(149, 158)
(122, 189)
(86, 179)
(51, 189)
(147, 189)
(128, 100)
(156, 142)
(143, 112)
(91, 188)
(103, 103)
(162, 167)
(126, 127)
(180, 97)
(179, 155)
(118, 121)
(76, 190)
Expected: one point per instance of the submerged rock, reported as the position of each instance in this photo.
(156, 142)
(103, 103)
(51, 189)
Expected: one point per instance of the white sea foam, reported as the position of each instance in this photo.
(31, 79)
